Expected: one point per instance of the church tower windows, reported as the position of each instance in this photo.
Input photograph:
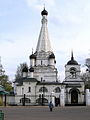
(73, 72)
(43, 60)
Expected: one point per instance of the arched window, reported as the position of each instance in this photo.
(27, 100)
(57, 90)
(73, 72)
(43, 89)
(78, 91)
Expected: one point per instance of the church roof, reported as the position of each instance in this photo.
(30, 80)
(33, 56)
(50, 83)
(43, 40)
(25, 79)
(52, 55)
(31, 69)
(72, 61)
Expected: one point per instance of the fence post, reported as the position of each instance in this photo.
(42, 100)
(24, 100)
(5, 100)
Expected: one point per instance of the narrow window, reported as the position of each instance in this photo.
(41, 79)
(29, 89)
(41, 62)
(22, 91)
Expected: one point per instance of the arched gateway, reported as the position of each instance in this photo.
(74, 97)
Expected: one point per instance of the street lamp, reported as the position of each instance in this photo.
(43, 90)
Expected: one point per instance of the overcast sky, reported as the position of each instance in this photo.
(20, 23)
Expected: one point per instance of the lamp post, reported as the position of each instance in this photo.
(43, 90)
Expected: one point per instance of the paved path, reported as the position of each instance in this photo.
(43, 113)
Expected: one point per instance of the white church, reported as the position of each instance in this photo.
(39, 83)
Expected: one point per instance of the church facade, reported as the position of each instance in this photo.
(39, 82)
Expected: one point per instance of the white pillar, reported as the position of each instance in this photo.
(87, 97)
(62, 98)
(53, 98)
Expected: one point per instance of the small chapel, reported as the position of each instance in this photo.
(39, 83)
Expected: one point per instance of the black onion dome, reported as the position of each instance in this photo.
(44, 12)
(72, 61)
(33, 56)
(25, 69)
(52, 55)
(31, 69)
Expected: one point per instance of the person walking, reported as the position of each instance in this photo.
(51, 106)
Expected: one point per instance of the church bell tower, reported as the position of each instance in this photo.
(43, 60)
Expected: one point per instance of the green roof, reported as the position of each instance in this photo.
(2, 90)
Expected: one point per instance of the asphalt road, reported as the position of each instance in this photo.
(43, 113)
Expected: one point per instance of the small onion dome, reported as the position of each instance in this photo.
(44, 12)
(31, 69)
(52, 56)
(25, 69)
(72, 61)
(33, 56)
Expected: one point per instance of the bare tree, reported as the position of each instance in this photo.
(19, 70)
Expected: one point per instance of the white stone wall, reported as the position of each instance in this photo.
(24, 89)
(46, 74)
(32, 62)
(51, 89)
(51, 62)
(62, 97)
(50, 95)
(87, 97)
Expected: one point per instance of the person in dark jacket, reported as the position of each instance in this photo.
(51, 106)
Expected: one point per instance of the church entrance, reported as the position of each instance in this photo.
(57, 101)
(74, 97)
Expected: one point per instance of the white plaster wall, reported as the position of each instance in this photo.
(47, 76)
(51, 89)
(52, 62)
(25, 86)
(31, 74)
(87, 97)
(44, 62)
(25, 74)
(32, 62)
